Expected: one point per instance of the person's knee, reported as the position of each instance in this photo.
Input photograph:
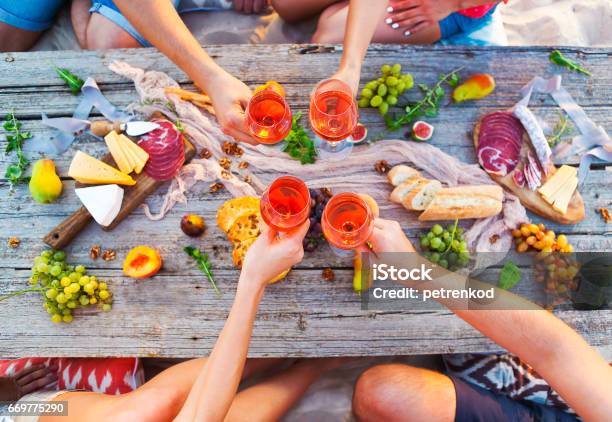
(146, 404)
(285, 9)
(396, 391)
(330, 27)
(103, 34)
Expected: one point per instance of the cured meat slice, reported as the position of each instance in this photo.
(536, 135)
(166, 150)
(499, 142)
(519, 178)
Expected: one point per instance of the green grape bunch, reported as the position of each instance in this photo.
(384, 92)
(65, 287)
(446, 246)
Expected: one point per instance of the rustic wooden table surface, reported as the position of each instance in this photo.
(176, 313)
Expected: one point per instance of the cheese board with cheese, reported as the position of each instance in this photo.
(105, 187)
(512, 149)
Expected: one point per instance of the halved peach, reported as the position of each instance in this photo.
(142, 262)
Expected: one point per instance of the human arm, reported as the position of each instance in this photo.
(363, 17)
(214, 390)
(160, 24)
(553, 349)
(411, 16)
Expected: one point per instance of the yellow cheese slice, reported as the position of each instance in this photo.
(553, 186)
(139, 152)
(563, 198)
(117, 153)
(132, 158)
(86, 169)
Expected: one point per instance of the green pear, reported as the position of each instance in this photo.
(45, 185)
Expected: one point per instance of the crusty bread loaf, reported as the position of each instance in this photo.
(401, 173)
(464, 202)
(399, 193)
(421, 195)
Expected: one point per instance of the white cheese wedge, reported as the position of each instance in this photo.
(553, 185)
(563, 198)
(103, 202)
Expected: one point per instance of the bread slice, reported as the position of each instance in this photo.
(401, 173)
(400, 191)
(533, 200)
(464, 202)
(421, 195)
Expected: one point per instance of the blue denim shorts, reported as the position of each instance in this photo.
(456, 23)
(111, 12)
(31, 15)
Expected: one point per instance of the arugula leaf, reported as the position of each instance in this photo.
(298, 144)
(561, 129)
(509, 276)
(74, 82)
(557, 57)
(14, 173)
(429, 105)
(203, 264)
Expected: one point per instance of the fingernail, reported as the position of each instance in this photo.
(388, 21)
(389, 9)
(407, 33)
(395, 26)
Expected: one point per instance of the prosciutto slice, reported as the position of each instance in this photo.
(499, 142)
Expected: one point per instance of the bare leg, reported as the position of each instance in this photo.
(160, 399)
(272, 398)
(95, 32)
(296, 10)
(332, 22)
(397, 392)
(16, 39)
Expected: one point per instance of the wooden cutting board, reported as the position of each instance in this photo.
(133, 196)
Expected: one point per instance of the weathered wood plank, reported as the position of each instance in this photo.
(176, 313)
(179, 315)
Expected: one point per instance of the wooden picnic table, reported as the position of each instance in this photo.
(176, 313)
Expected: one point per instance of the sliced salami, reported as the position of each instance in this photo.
(519, 178)
(166, 150)
(499, 142)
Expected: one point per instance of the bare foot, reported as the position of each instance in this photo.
(26, 381)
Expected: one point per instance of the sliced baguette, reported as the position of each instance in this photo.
(421, 195)
(464, 202)
(400, 191)
(401, 173)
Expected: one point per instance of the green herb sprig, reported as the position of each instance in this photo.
(509, 276)
(557, 57)
(429, 105)
(298, 144)
(74, 82)
(562, 128)
(203, 264)
(14, 142)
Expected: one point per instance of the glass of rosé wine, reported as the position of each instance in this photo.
(285, 205)
(347, 222)
(268, 117)
(333, 117)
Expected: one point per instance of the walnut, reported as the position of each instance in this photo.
(13, 242)
(327, 192)
(205, 153)
(232, 148)
(382, 167)
(243, 165)
(226, 163)
(248, 179)
(215, 187)
(109, 255)
(94, 252)
(226, 174)
(493, 239)
(328, 274)
(605, 214)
